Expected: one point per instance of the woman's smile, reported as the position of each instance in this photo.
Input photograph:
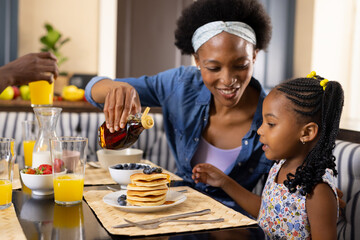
(228, 93)
(265, 147)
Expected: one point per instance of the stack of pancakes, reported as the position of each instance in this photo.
(147, 189)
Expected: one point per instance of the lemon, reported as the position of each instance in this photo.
(7, 94)
(72, 93)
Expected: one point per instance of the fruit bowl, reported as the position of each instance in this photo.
(121, 173)
(39, 184)
(109, 157)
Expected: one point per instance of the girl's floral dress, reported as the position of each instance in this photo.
(283, 214)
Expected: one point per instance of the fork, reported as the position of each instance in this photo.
(157, 224)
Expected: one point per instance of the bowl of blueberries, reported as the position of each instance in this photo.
(121, 173)
(109, 157)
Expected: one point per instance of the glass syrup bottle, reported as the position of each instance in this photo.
(127, 136)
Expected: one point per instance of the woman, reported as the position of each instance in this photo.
(212, 111)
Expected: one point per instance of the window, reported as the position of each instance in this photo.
(327, 36)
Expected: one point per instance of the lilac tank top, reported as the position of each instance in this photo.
(223, 159)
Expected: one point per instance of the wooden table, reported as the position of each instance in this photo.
(36, 216)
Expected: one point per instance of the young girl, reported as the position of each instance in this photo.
(300, 124)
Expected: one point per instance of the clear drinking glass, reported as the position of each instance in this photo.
(68, 157)
(7, 160)
(41, 93)
(29, 134)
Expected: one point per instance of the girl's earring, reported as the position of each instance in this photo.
(198, 67)
(302, 141)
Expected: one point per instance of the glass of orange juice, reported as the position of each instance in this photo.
(29, 135)
(7, 159)
(68, 157)
(41, 93)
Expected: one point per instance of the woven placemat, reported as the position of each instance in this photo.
(16, 178)
(10, 227)
(97, 176)
(110, 216)
(100, 176)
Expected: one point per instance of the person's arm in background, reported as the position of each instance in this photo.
(28, 68)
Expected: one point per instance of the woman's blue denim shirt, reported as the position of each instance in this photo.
(185, 103)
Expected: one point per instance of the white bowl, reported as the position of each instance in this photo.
(39, 184)
(109, 158)
(122, 176)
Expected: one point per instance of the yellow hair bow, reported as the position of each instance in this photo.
(311, 75)
(323, 83)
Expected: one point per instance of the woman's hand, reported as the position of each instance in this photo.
(208, 174)
(121, 100)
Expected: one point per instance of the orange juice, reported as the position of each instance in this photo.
(68, 216)
(28, 152)
(68, 189)
(41, 93)
(5, 192)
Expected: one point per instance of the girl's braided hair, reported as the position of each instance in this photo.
(322, 105)
(202, 12)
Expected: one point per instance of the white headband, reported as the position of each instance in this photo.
(209, 30)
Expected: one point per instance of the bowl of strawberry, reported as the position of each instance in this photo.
(39, 180)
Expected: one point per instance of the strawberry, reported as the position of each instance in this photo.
(41, 170)
(44, 169)
(47, 171)
(30, 171)
(58, 165)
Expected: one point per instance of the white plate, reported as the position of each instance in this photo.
(175, 196)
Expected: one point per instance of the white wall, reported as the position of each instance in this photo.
(77, 19)
(107, 38)
(324, 43)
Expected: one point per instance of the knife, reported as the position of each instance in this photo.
(157, 224)
(176, 216)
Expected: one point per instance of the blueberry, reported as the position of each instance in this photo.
(147, 171)
(122, 202)
(137, 166)
(153, 169)
(132, 166)
(158, 170)
(119, 166)
(122, 197)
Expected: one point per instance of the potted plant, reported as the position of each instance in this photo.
(52, 42)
